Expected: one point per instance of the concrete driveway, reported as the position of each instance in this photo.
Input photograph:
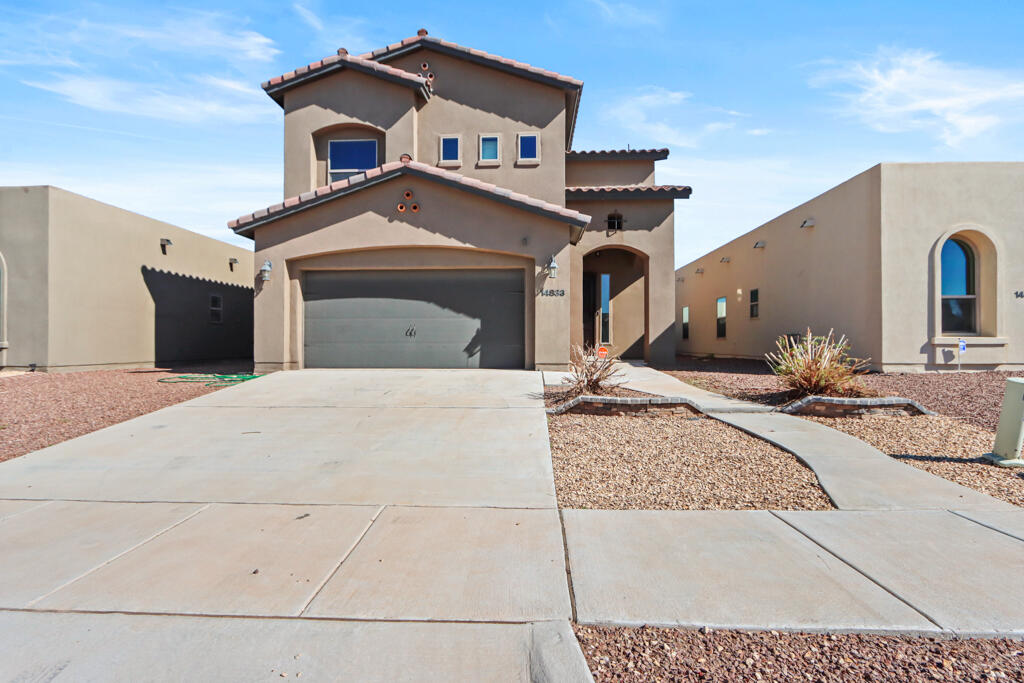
(355, 502)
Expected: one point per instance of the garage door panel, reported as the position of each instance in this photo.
(450, 318)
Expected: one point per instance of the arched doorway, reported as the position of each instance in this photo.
(615, 301)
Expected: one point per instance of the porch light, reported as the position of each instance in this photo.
(164, 243)
(725, 259)
(699, 271)
(808, 223)
(232, 262)
(265, 271)
(552, 268)
(759, 244)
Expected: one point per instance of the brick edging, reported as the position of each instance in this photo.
(835, 405)
(623, 404)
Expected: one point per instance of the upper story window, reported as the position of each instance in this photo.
(449, 151)
(348, 157)
(490, 149)
(528, 148)
(959, 288)
(614, 222)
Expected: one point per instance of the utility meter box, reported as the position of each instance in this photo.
(1010, 436)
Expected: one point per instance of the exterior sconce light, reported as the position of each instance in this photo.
(164, 243)
(759, 244)
(808, 223)
(265, 271)
(232, 262)
(725, 259)
(699, 271)
(552, 268)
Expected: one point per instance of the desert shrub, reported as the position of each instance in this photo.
(818, 366)
(589, 374)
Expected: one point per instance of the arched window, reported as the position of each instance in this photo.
(959, 288)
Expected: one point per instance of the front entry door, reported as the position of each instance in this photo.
(589, 308)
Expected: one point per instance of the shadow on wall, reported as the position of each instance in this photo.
(199, 320)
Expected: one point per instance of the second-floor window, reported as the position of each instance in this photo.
(490, 150)
(348, 157)
(529, 148)
(450, 150)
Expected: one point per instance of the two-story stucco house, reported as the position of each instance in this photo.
(435, 216)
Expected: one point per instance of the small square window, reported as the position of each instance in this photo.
(216, 308)
(450, 152)
(490, 150)
(528, 148)
(754, 303)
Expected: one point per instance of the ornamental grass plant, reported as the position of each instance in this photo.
(818, 366)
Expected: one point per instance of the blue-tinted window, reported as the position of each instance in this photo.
(527, 146)
(959, 298)
(489, 149)
(606, 308)
(449, 149)
(351, 156)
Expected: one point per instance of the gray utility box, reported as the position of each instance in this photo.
(1010, 436)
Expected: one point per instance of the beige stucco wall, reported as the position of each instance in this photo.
(344, 98)
(825, 277)
(650, 232)
(597, 172)
(922, 205)
(94, 308)
(24, 300)
(364, 230)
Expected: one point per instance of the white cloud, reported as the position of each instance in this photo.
(308, 16)
(624, 14)
(913, 90)
(202, 100)
(202, 32)
(654, 114)
(759, 131)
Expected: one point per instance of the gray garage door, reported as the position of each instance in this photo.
(414, 319)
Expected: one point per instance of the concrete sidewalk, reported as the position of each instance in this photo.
(853, 474)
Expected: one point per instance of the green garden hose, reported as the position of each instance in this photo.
(211, 380)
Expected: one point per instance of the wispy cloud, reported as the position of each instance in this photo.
(654, 114)
(913, 90)
(308, 16)
(333, 31)
(758, 132)
(623, 13)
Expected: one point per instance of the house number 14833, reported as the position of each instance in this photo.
(552, 292)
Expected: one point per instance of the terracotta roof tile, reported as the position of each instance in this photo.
(275, 86)
(595, 154)
(353, 183)
(628, 192)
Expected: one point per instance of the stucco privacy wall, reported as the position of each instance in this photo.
(99, 307)
(24, 300)
(471, 99)
(922, 205)
(650, 232)
(824, 277)
(464, 230)
(345, 98)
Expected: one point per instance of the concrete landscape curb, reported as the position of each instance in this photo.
(660, 401)
(851, 406)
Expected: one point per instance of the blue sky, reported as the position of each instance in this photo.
(157, 108)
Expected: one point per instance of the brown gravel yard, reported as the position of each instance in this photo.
(944, 446)
(556, 397)
(974, 396)
(660, 654)
(39, 409)
(673, 462)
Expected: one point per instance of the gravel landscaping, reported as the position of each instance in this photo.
(39, 409)
(554, 396)
(946, 447)
(976, 397)
(673, 462)
(660, 654)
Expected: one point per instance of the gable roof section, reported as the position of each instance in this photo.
(245, 225)
(276, 87)
(629, 192)
(617, 154)
(573, 87)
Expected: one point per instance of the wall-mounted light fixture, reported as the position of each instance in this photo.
(759, 244)
(552, 267)
(265, 271)
(699, 271)
(808, 223)
(232, 262)
(725, 259)
(164, 243)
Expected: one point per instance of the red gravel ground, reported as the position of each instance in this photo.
(660, 654)
(972, 396)
(39, 409)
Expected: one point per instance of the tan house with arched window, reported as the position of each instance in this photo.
(904, 259)
(435, 216)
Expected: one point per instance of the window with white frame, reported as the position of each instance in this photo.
(490, 149)
(216, 308)
(528, 148)
(348, 157)
(449, 151)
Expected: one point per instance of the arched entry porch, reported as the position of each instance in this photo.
(614, 290)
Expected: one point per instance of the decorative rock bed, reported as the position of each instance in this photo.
(828, 406)
(623, 405)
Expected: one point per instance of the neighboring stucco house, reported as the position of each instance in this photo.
(435, 217)
(85, 285)
(904, 259)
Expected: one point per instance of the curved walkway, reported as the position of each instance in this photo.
(853, 474)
